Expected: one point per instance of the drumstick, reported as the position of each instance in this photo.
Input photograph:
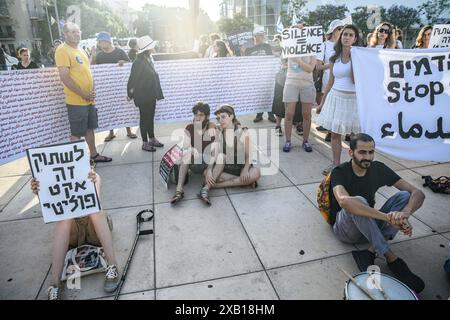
(357, 284)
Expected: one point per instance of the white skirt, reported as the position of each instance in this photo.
(340, 113)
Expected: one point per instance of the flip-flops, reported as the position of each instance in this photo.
(364, 259)
(99, 158)
(178, 196)
(109, 138)
(203, 195)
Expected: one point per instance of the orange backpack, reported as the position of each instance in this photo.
(324, 199)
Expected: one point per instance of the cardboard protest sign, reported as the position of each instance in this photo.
(168, 162)
(403, 101)
(307, 41)
(65, 190)
(440, 36)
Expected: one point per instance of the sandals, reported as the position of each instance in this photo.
(100, 158)
(178, 196)
(109, 138)
(203, 195)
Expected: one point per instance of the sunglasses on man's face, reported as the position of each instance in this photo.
(382, 30)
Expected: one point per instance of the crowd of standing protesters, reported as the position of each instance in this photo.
(325, 81)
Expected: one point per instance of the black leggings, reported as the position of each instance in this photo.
(147, 121)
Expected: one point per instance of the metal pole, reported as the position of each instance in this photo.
(48, 22)
(57, 18)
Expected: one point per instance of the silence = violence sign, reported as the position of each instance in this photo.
(306, 41)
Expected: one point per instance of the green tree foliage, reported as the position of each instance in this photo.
(403, 17)
(238, 24)
(95, 17)
(323, 15)
(432, 9)
(361, 15)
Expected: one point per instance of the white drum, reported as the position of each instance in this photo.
(394, 289)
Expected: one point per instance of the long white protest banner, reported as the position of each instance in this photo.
(404, 101)
(65, 190)
(302, 42)
(33, 112)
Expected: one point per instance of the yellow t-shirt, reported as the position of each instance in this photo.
(78, 63)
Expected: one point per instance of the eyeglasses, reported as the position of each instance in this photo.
(382, 30)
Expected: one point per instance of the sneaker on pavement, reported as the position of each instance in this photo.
(320, 128)
(307, 147)
(258, 119)
(328, 137)
(112, 279)
(364, 259)
(272, 118)
(299, 129)
(155, 143)
(287, 146)
(401, 271)
(278, 131)
(53, 293)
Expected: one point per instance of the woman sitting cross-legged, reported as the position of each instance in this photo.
(232, 163)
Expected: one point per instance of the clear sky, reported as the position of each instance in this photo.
(210, 6)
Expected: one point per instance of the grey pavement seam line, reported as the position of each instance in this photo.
(12, 198)
(252, 244)
(154, 230)
(43, 282)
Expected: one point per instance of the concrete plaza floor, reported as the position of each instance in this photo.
(264, 243)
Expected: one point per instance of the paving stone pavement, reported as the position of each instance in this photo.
(265, 243)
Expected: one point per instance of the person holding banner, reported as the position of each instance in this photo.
(109, 55)
(383, 37)
(144, 87)
(340, 111)
(323, 61)
(423, 38)
(198, 136)
(25, 61)
(232, 165)
(260, 48)
(299, 81)
(94, 230)
(79, 89)
(352, 197)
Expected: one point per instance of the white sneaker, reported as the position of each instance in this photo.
(111, 279)
(278, 131)
(53, 293)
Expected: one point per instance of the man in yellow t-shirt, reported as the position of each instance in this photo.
(75, 73)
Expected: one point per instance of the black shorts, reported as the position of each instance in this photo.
(82, 118)
(234, 169)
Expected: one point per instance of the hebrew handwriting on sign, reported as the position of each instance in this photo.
(57, 158)
(84, 202)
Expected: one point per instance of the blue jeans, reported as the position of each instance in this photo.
(354, 229)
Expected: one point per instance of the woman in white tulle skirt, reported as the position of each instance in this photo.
(338, 111)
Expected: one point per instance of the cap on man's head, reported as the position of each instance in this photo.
(104, 36)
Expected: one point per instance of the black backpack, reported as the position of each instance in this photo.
(439, 185)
